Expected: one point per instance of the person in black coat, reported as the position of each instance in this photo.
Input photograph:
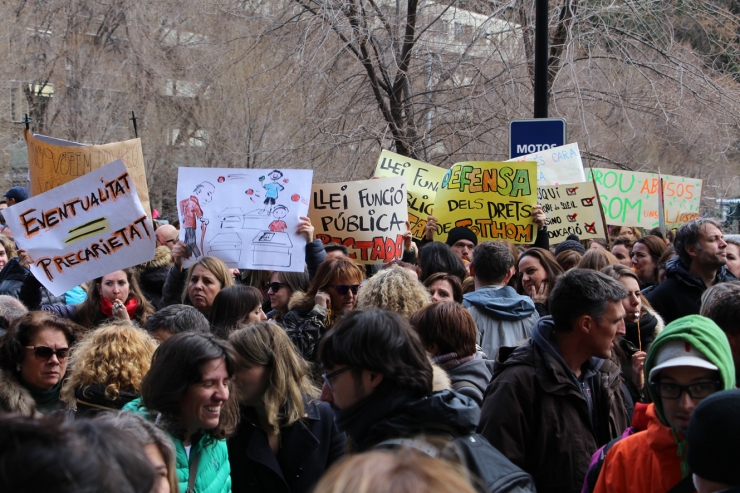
(286, 438)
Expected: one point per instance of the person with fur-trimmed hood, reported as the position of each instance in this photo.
(688, 361)
(331, 294)
(153, 274)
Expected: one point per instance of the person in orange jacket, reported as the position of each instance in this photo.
(688, 361)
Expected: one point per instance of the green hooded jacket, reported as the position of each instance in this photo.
(703, 334)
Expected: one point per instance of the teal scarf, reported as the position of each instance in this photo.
(46, 400)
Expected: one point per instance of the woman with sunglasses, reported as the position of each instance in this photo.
(332, 293)
(33, 356)
(280, 289)
(286, 437)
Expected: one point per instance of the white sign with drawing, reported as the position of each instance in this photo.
(245, 217)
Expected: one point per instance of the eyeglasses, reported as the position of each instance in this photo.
(44, 353)
(328, 376)
(173, 240)
(274, 286)
(697, 391)
(343, 289)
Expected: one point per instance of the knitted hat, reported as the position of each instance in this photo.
(571, 243)
(713, 438)
(461, 233)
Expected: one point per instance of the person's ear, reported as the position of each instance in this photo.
(509, 275)
(374, 379)
(583, 324)
(691, 250)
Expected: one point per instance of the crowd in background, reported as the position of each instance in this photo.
(464, 366)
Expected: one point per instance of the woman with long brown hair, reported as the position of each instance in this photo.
(332, 293)
(282, 421)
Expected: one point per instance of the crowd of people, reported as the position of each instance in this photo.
(465, 366)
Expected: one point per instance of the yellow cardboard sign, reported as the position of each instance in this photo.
(495, 200)
(52, 165)
(422, 183)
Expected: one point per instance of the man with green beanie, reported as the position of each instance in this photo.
(688, 361)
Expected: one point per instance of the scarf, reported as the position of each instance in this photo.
(450, 361)
(46, 400)
(357, 419)
(106, 306)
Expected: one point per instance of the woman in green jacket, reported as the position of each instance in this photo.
(186, 392)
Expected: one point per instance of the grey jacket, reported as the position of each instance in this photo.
(503, 317)
(471, 378)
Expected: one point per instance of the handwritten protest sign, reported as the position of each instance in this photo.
(571, 209)
(84, 229)
(368, 217)
(422, 182)
(494, 200)
(247, 217)
(630, 198)
(557, 166)
(53, 162)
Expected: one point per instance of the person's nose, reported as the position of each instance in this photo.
(685, 402)
(263, 316)
(621, 329)
(326, 394)
(54, 360)
(222, 392)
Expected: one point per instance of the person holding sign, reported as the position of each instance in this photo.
(114, 296)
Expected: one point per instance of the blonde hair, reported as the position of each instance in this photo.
(216, 267)
(267, 344)
(383, 472)
(115, 355)
(394, 289)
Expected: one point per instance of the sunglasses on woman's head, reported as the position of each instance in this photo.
(343, 289)
(44, 353)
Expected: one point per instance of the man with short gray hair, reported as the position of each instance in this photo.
(502, 315)
(700, 264)
(174, 319)
(553, 401)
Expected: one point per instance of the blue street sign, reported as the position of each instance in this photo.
(530, 135)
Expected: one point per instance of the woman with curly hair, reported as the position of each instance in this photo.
(331, 294)
(33, 358)
(394, 289)
(107, 368)
(281, 416)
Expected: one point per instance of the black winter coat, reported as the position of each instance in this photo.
(538, 417)
(307, 449)
(680, 294)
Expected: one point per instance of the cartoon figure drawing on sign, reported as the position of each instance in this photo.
(190, 211)
(273, 189)
(278, 225)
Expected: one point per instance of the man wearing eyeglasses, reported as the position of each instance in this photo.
(379, 381)
(688, 361)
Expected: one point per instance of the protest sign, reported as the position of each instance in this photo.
(556, 166)
(630, 198)
(246, 217)
(53, 162)
(84, 229)
(368, 217)
(494, 200)
(422, 182)
(571, 209)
